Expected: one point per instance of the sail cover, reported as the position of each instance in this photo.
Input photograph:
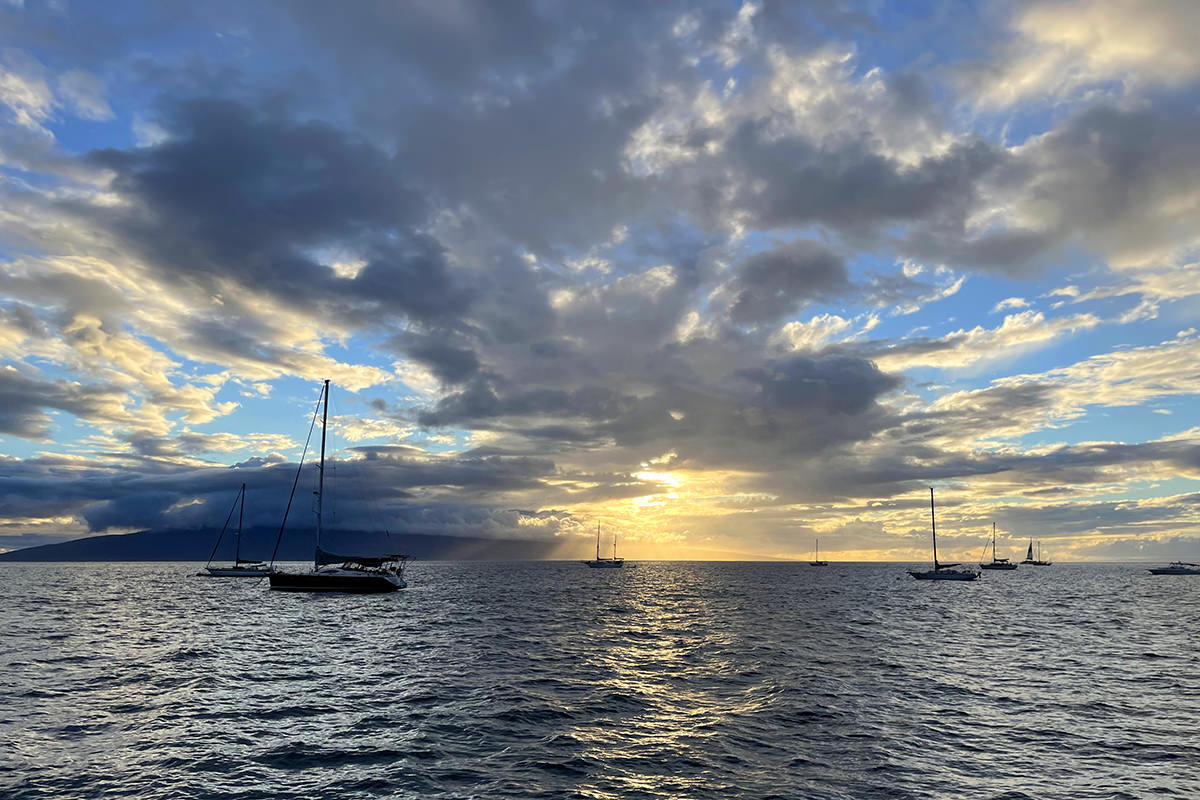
(325, 557)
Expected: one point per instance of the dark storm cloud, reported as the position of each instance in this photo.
(137, 493)
(451, 43)
(449, 362)
(480, 401)
(745, 416)
(236, 194)
(834, 386)
(1122, 179)
(777, 282)
(790, 182)
(24, 402)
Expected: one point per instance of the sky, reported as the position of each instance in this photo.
(723, 278)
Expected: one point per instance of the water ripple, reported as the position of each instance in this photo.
(546, 680)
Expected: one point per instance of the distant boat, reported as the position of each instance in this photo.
(997, 563)
(1177, 568)
(355, 574)
(241, 567)
(1035, 562)
(605, 563)
(941, 572)
(817, 562)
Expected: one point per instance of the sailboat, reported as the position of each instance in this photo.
(338, 573)
(817, 562)
(941, 572)
(609, 563)
(1035, 562)
(997, 563)
(241, 567)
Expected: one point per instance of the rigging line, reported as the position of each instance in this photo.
(985, 549)
(299, 467)
(213, 554)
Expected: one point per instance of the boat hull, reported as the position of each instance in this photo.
(606, 563)
(235, 572)
(818, 563)
(346, 584)
(998, 566)
(1174, 571)
(944, 575)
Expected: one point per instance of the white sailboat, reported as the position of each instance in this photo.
(996, 562)
(605, 563)
(241, 567)
(940, 571)
(817, 562)
(339, 573)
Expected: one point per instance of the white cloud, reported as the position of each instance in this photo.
(1018, 333)
(812, 334)
(1009, 303)
(84, 94)
(1065, 47)
(23, 88)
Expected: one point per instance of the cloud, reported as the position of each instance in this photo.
(84, 93)
(777, 282)
(1063, 48)
(1010, 303)
(1018, 333)
(24, 403)
(647, 263)
(1122, 181)
(24, 90)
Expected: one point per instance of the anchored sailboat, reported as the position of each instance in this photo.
(941, 572)
(817, 562)
(339, 573)
(1035, 562)
(996, 562)
(241, 567)
(610, 563)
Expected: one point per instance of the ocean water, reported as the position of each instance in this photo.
(550, 680)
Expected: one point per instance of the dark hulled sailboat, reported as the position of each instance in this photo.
(940, 571)
(817, 562)
(602, 563)
(355, 574)
(1035, 562)
(996, 562)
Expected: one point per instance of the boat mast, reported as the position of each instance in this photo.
(817, 553)
(614, 545)
(237, 547)
(933, 525)
(321, 470)
(993, 542)
(597, 541)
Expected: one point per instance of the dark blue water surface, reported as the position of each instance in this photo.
(549, 680)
